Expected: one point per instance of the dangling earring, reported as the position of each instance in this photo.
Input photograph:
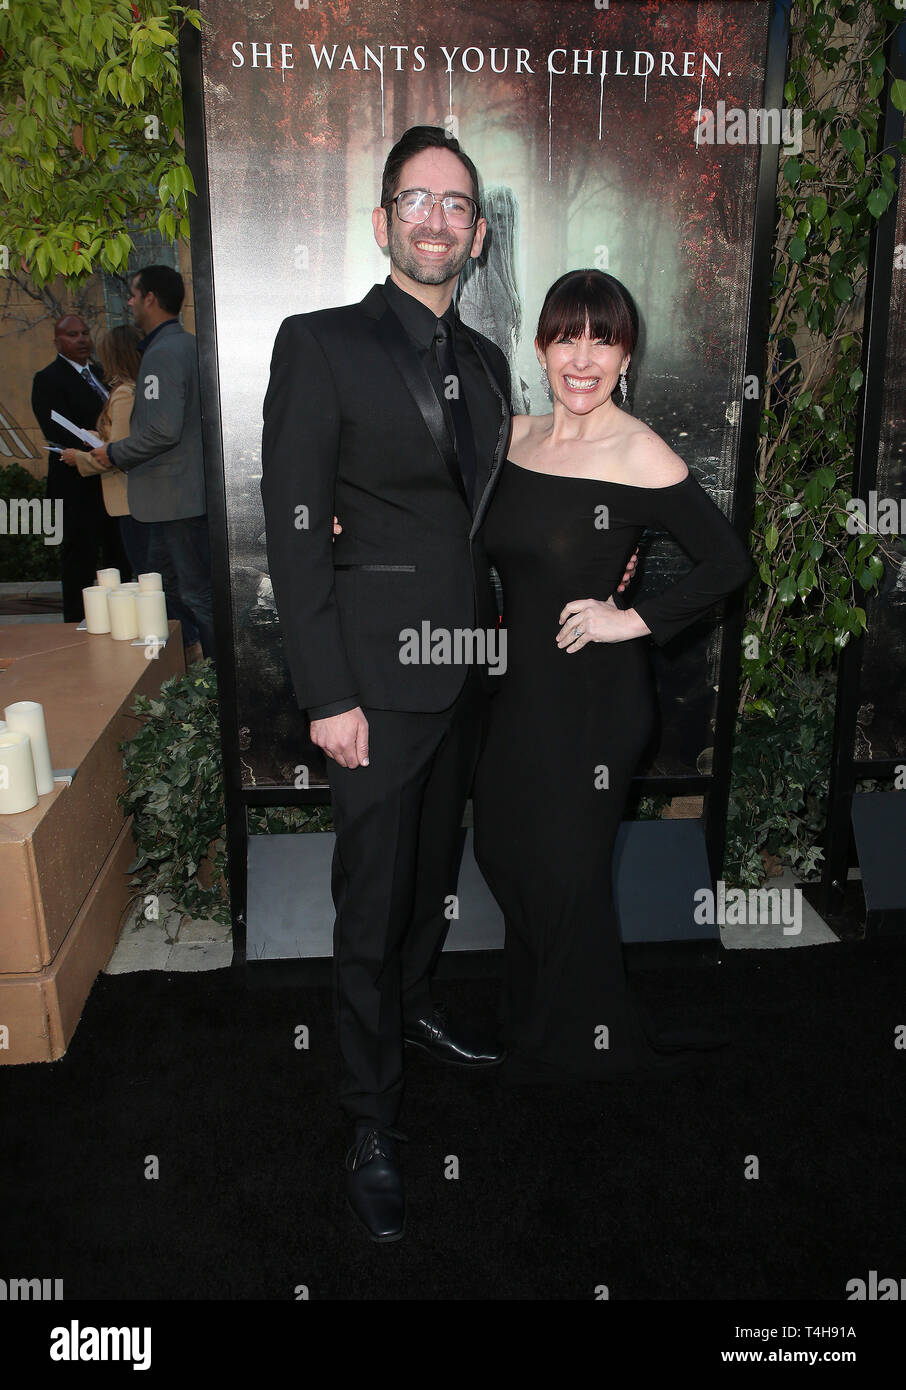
(623, 387)
(545, 382)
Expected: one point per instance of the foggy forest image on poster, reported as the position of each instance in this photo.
(586, 129)
(881, 720)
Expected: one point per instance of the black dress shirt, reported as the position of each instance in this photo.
(484, 411)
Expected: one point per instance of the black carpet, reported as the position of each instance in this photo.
(639, 1186)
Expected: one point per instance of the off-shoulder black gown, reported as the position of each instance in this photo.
(566, 732)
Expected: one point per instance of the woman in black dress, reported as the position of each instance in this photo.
(575, 709)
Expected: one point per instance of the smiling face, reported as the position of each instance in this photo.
(583, 371)
(430, 253)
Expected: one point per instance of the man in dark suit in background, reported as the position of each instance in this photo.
(394, 415)
(73, 386)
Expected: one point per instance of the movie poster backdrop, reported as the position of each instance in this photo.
(611, 135)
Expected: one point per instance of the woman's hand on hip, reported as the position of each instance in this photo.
(597, 620)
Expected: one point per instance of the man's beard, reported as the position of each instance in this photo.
(404, 257)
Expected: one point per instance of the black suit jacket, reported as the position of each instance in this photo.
(352, 426)
(59, 387)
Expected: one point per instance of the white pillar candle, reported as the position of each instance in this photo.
(3, 725)
(133, 587)
(97, 616)
(27, 717)
(123, 616)
(17, 773)
(109, 579)
(150, 583)
(151, 609)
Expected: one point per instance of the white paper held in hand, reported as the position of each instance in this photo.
(94, 441)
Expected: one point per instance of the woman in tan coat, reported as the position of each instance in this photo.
(119, 356)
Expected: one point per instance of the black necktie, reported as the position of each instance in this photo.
(95, 386)
(464, 439)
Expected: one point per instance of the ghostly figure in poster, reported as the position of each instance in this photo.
(489, 297)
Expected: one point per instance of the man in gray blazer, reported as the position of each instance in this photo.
(162, 456)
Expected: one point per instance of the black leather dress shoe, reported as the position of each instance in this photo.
(374, 1184)
(432, 1035)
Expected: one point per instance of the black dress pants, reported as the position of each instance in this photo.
(398, 845)
(91, 537)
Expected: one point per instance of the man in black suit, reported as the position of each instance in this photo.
(73, 386)
(395, 415)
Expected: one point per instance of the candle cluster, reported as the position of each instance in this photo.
(129, 612)
(25, 769)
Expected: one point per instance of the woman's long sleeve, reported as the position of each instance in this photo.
(687, 513)
(121, 403)
(121, 400)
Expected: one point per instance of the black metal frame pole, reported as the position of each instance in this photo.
(844, 768)
(763, 233)
(190, 56)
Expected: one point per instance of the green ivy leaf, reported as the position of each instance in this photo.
(878, 202)
(852, 139)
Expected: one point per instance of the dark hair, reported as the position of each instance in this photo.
(590, 297)
(164, 283)
(119, 354)
(412, 142)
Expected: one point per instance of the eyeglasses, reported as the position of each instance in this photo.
(417, 205)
